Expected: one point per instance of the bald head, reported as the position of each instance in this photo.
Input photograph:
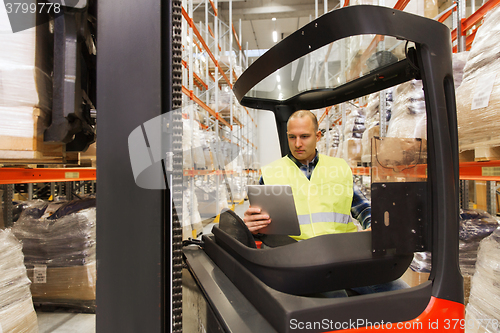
(302, 114)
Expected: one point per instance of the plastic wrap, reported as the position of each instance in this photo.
(332, 148)
(192, 146)
(191, 219)
(355, 124)
(459, 61)
(352, 151)
(25, 83)
(208, 196)
(408, 118)
(26, 66)
(16, 308)
(480, 128)
(372, 122)
(21, 86)
(474, 226)
(483, 309)
(59, 242)
(353, 131)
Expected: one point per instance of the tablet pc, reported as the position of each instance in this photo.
(277, 202)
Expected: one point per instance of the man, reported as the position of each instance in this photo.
(323, 191)
(322, 185)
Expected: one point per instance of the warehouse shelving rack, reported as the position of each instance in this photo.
(121, 211)
(469, 171)
(202, 42)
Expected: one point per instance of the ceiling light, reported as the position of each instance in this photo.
(275, 36)
(274, 18)
(278, 78)
(279, 86)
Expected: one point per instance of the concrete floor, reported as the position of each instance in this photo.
(49, 322)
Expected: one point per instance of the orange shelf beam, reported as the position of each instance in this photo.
(236, 37)
(484, 171)
(475, 18)
(213, 7)
(196, 77)
(237, 122)
(198, 101)
(324, 114)
(479, 14)
(401, 4)
(45, 175)
(213, 36)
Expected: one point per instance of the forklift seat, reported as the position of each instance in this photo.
(320, 264)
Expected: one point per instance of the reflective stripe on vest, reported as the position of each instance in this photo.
(322, 217)
(324, 202)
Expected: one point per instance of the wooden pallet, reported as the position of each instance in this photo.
(31, 150)
(83, 159)
(480, 154)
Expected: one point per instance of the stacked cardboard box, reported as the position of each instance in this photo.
(25, 93)
(59, 247)
(17, 314)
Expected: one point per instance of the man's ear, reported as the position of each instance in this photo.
(318, 136)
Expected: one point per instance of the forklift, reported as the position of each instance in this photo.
(241, 288)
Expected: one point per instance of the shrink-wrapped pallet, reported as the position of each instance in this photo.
(192, 145)
(372, 122)
(17, 314)
(59, 247)
(483, 309)
(459, 60)
(474, 226)
(478, 97)
(353, 132)
(191, 219)
(26, 66)
(329, 147)
(408, 117)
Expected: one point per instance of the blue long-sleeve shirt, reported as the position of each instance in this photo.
(360, 208)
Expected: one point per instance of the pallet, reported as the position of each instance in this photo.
(31, 150)
(83, 159)
(480, 154)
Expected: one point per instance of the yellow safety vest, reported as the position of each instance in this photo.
(324, 202)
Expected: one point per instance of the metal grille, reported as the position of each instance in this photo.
(177, 167)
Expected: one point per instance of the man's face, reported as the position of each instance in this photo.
(302, 139)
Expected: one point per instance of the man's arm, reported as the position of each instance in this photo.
(361, 209)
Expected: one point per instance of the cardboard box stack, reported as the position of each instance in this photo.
(59, 247)
(25, 93)
(483, 310)
(478, 97)
(17, 314)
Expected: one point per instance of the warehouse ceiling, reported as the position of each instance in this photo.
(256, 18)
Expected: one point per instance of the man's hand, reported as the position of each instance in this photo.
(254, 220)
